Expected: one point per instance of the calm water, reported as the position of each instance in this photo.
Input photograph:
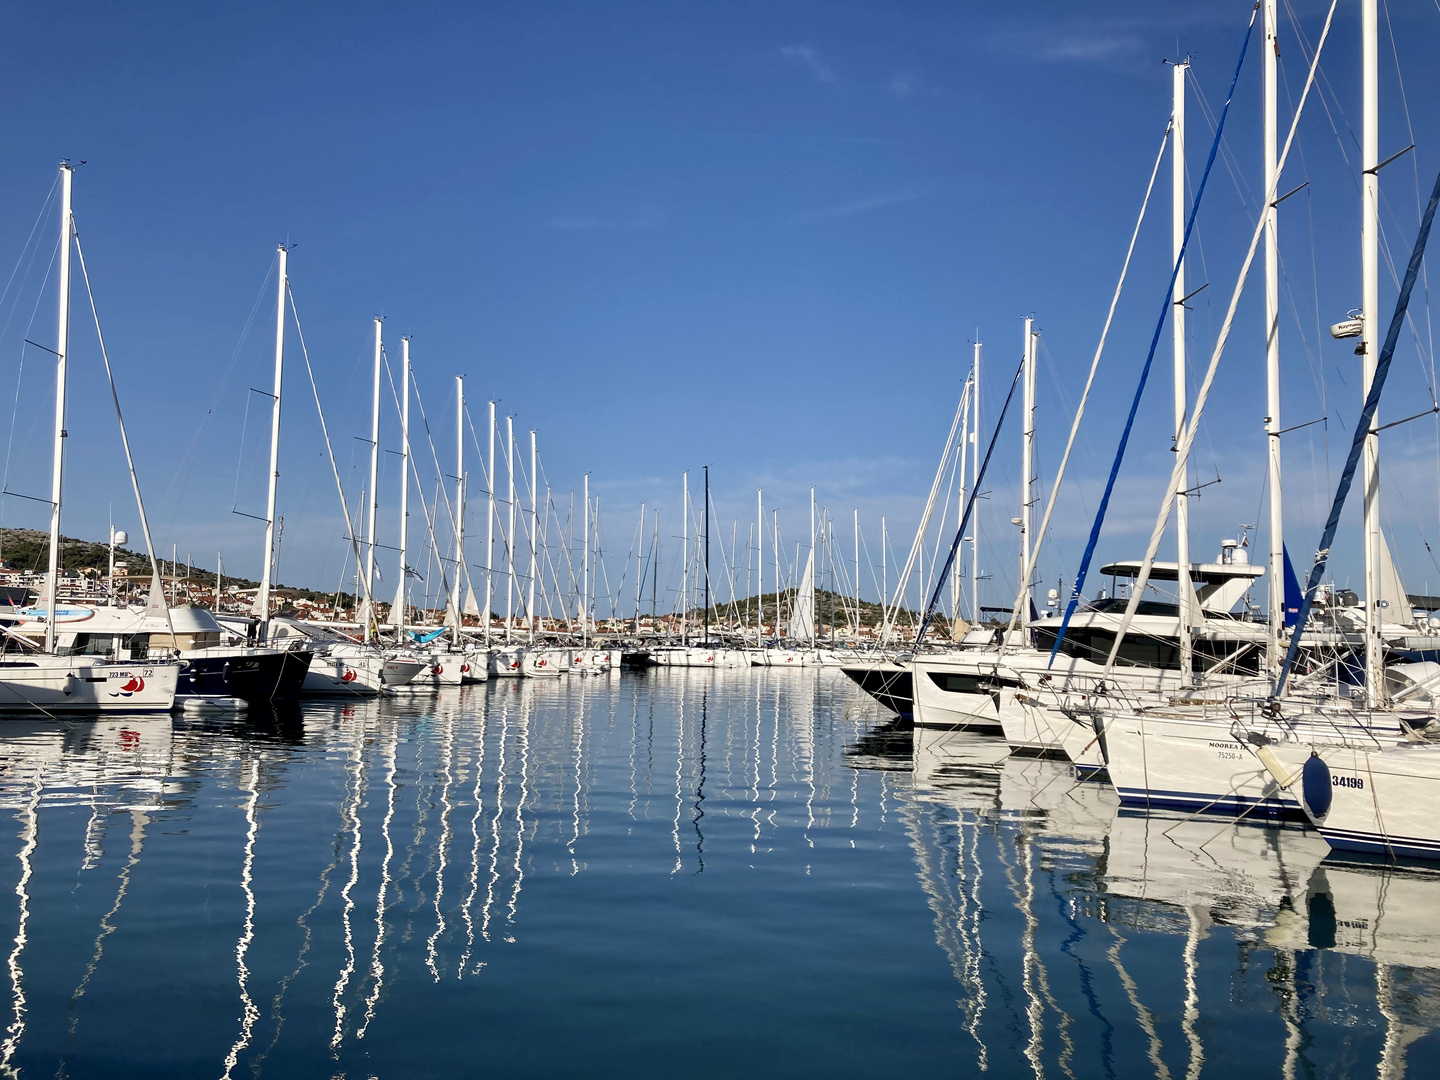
(673, 874)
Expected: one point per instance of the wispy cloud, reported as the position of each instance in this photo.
(904, 194)
(647, 218)
(903, 85)
(1075, 43)
(812, 60)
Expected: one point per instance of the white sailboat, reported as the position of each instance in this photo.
(35, 678)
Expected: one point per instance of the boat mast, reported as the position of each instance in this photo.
(456, 593)
(810, 585)
(403, 588)
(62, 347)
(490, 533)
(1184, 592)
(262, 600)
(684, 558)
(857, 576)
(585, 573)
(639, 565)
(1027, 467)
(884, 571)
(775, 526)
(760, 570)
(1275, 606)
(510, 472)
(1370, 341)
(534, 535)
(974, 482)
(957, 576)
(367, 631)
(706, 638)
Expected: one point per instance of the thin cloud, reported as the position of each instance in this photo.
(807, 55)
(643, 219)
(860, 206)
(903, 85)
(1075, 44)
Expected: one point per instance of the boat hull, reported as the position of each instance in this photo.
(889, 684)
(253, 676)
(61, 684)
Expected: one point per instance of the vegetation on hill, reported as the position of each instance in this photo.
(28, 551)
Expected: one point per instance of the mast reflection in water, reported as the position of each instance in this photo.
(688, 872)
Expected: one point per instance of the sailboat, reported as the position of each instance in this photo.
(48, 675)
(339, 664)
(1364, 773)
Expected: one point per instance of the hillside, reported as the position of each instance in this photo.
(28, 551)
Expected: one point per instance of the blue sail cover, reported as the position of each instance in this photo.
(1357, 441)
(425, 639)
(1293, 595)
(1150, 357)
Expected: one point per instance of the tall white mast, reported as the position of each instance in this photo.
(857, 576)
(374, 508)
(62, 348)
(403, 588)
(1370, 313)
(585, 573)
(810, 585)
(534, 535)
(1177, 324)
(639, 564)
(457, 593)
(1027, 466)
(760, 572)
(955, 576)
(490, 534)
(262, 600)
(510, 471)
(1275, 606)
(685, 558)
(884, 568)
(974, 486)
(775, 532)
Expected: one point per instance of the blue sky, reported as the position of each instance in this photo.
(754, 236)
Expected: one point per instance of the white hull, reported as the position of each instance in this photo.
(442, 668)
(589, 661)
(1171, 762)
(76, 684)
(1378, 801)
(545, 663)
(352, 676)
(505, 662)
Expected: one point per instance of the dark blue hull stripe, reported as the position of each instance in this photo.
(1230, 805)
(1410, 847)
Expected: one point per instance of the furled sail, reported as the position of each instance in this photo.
(802, 616)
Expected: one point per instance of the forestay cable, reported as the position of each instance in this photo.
(124, 437)
(1362, 430)
(1089, 382)
(1154, 343)
(1182, 449)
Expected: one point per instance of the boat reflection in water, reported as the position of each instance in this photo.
(1088, 940)
(552, 875)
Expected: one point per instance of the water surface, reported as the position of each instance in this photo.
(676, 873)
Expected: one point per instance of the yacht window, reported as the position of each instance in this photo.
(90, 645)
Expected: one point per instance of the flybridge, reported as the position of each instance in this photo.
(1218, 586)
